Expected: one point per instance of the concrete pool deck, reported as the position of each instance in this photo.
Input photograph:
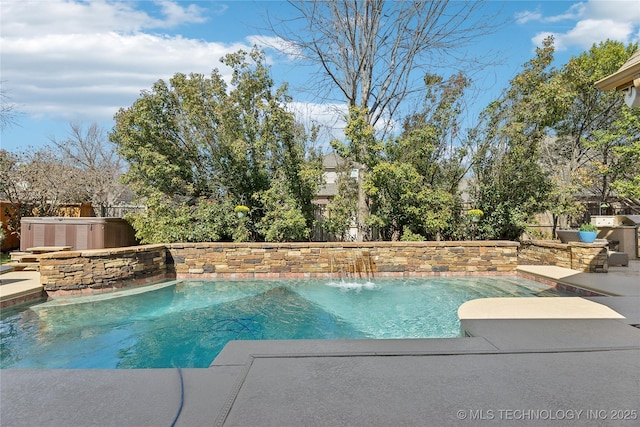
(619, 281)
(578, 371)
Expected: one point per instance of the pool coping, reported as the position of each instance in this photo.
(611, 283)
(535, 308)
(19, 287)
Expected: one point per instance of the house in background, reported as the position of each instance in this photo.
(333, 165)
(330, 164)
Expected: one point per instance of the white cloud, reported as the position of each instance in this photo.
(594, 21)
(538, 38)
(284, 47)
(176, 14)
(590, 31)
(616, 10)
(38, 18)
(574, 12)
(90, 17)
(84, 60)
(331, 118)
(527, 16)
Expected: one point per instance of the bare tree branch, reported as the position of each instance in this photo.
(90, 151)
(374, 53)
(8, 110)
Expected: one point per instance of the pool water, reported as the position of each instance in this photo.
(186, 324)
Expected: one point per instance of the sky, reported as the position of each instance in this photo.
(71, 61)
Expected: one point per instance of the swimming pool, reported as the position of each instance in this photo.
(187, 323)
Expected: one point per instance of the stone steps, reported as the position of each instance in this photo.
(29, 260)
(23, 266)
(23, 257)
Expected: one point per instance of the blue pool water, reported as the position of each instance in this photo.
(186, 324)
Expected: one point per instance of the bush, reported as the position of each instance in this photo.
(165, 221)
(283, 219)
(410, 236)
(588, 227)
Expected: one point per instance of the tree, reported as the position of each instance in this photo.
(8, 110)
(597, 133)
(194, 138)
(511, 184)
(362, 151)
(283, 220)
(415, 191)
(425, 164)
(629, 185)
(558, 158)
(37, 183)
(101, 165)
(404, 203)
(166, 221)
(10, 188)
(431, 139)
(374, 53)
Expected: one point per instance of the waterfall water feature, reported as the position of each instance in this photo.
(358, 267)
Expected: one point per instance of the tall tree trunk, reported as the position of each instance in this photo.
(363, 209)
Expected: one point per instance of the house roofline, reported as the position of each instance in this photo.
(628, 75)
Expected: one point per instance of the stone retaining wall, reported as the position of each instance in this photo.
(211, 260)
(102, 269)
(107, 269)
(587, 257)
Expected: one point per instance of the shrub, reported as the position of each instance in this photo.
(165, 221)
(410, 236)
(588, 227)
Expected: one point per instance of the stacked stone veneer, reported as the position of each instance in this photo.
(102, 269)
(211, 260)
(587, 257)
(98, 270)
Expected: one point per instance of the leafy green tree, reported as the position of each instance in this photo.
(431, 140)
(403, 203)
(597, 133)
(629, 185)
(362, 150)
(283, 219)
(511, 184)
(194, 137)
(416, 190)
(166, 221)
(410, 184)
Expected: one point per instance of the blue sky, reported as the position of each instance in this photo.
(65, 61)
